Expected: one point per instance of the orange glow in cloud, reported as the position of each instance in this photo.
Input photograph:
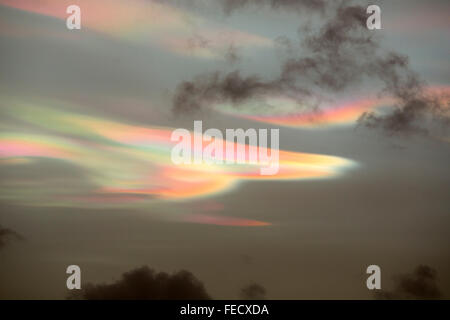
(333, 116)
(130, 166)
(337, 115)
(341, 114)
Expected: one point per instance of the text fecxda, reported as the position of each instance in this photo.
(245, 309)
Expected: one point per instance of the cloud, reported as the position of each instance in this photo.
(421, 284)
(171, 27)
(6, 235)
(412, 115)
(141, 154)
(193, 96)
(146, 284)
(232, 5)
(253, 291)
(338, 54)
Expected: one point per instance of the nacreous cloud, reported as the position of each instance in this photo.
(124, 165)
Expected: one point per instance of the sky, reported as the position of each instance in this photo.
(86, 176)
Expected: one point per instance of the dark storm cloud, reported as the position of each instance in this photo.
(253, 291)
(331, 63)
(421, 284)
(193, 96)
(410, 115)
(334, 53)
(145, 284)
(338, 54)
(6, 235)
(344, 51)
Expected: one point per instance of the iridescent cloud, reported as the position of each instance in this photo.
(125, 165)
(147, 22)
(280, 110)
